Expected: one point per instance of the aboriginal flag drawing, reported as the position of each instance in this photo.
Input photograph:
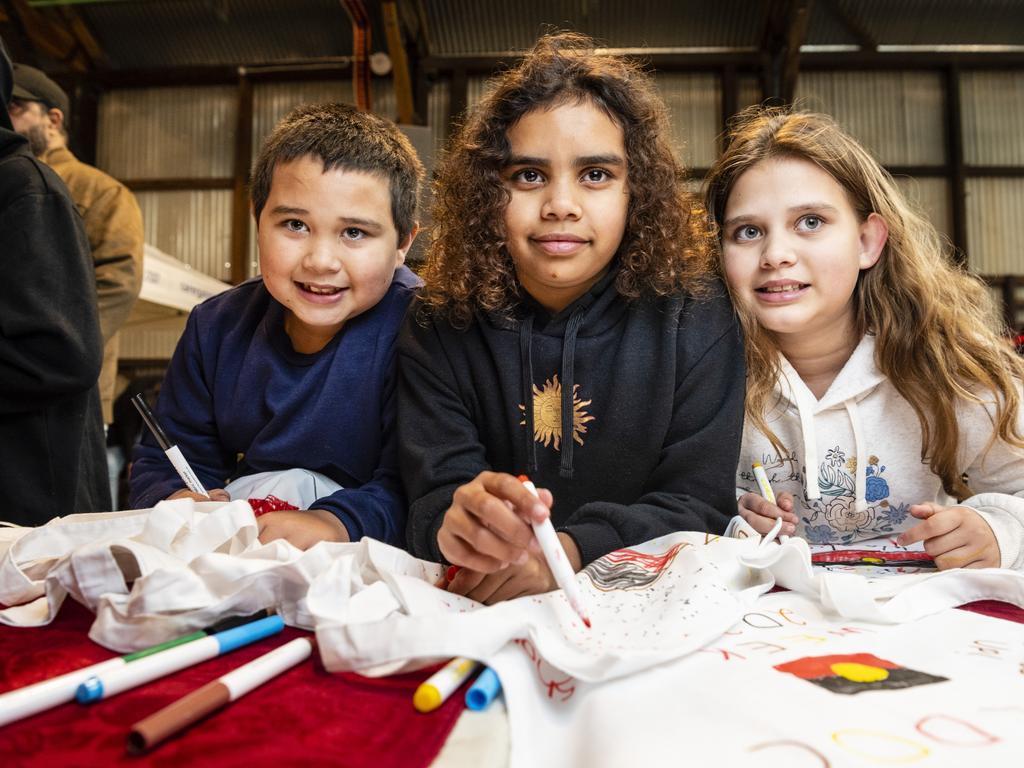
(855, 673)
(629, 569)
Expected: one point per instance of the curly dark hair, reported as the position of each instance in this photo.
(666, 248)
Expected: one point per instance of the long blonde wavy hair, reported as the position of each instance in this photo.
(939, 335)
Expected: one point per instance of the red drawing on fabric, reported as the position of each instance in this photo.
(877, 558)
(854, 673)
(565, 688)
(629, 569)
(269, 504)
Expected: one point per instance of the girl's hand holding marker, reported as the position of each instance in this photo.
(487, 527)
(762, 510)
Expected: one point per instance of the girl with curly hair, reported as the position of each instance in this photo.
(570, 329)
(881, 395)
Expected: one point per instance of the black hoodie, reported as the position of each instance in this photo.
(653, 397)
(52, 456)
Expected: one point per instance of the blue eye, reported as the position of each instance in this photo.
(747, 232)
(810, 223)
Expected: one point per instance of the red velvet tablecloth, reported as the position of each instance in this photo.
(304, 717)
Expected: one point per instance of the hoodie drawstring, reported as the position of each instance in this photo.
(572, 328)
(861, 475)
(526, 366)
(805, 407)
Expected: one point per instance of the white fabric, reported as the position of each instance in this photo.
(666, 669)
(299, 487)
(151, 575)
(727, 706)
(853, 460)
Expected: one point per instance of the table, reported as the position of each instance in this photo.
(305, 716)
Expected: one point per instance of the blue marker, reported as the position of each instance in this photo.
(152, 667)
(483, 691)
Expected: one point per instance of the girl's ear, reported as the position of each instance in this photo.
(874, 233)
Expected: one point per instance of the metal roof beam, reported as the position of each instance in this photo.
(785, 31)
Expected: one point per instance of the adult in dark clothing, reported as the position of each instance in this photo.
(51, 430)
(568, 330)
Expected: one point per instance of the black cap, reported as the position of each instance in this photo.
(30, 84)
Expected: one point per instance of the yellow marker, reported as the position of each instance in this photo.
(762, 482)
(443, 683)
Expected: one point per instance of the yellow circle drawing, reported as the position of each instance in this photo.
(859, 673)
(845, 737)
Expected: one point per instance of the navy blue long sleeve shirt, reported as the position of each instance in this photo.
(238, 399)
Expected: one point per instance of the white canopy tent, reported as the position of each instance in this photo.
(170, 288)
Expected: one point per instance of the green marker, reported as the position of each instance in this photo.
(32, 699)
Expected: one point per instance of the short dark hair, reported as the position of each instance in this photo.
(344, 138)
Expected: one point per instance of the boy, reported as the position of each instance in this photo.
(296, 368)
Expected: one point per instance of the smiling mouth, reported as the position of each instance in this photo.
(787, 288)
(320, 290)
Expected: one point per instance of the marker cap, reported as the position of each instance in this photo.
(90, 690)
(427, 698)
(483, 691)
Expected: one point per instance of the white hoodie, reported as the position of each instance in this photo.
(862, 444)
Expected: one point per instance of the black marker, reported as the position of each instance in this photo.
(173, 452)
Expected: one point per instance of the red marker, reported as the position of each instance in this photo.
(557, 560)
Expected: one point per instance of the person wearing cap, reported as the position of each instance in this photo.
(39, 110)
(51, 431)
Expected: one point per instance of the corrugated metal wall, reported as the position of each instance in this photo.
(897, 115)
(995, 238)
(151, 133)
(931, 196)
(695, 108)
(191, 225)
(992, 105)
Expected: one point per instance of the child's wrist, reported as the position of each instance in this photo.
(341, 532)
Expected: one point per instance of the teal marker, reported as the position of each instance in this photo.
(483, 691)
(114, 681)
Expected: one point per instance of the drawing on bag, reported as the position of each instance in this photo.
(564, 688)
(852, 673)
(627, 569)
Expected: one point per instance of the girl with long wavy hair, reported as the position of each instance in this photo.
(570, 329)
(881, 396)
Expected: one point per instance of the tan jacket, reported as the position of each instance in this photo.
(113, 224)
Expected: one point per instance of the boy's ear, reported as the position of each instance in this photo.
(874, 234)
(405, 245)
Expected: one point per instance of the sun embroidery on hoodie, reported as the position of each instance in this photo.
(547, 414)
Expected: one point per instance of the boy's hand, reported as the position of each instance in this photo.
(531, 578)
(487, 527)
(761, 514)
(302, 528)
(955, 537)
(217, 494)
